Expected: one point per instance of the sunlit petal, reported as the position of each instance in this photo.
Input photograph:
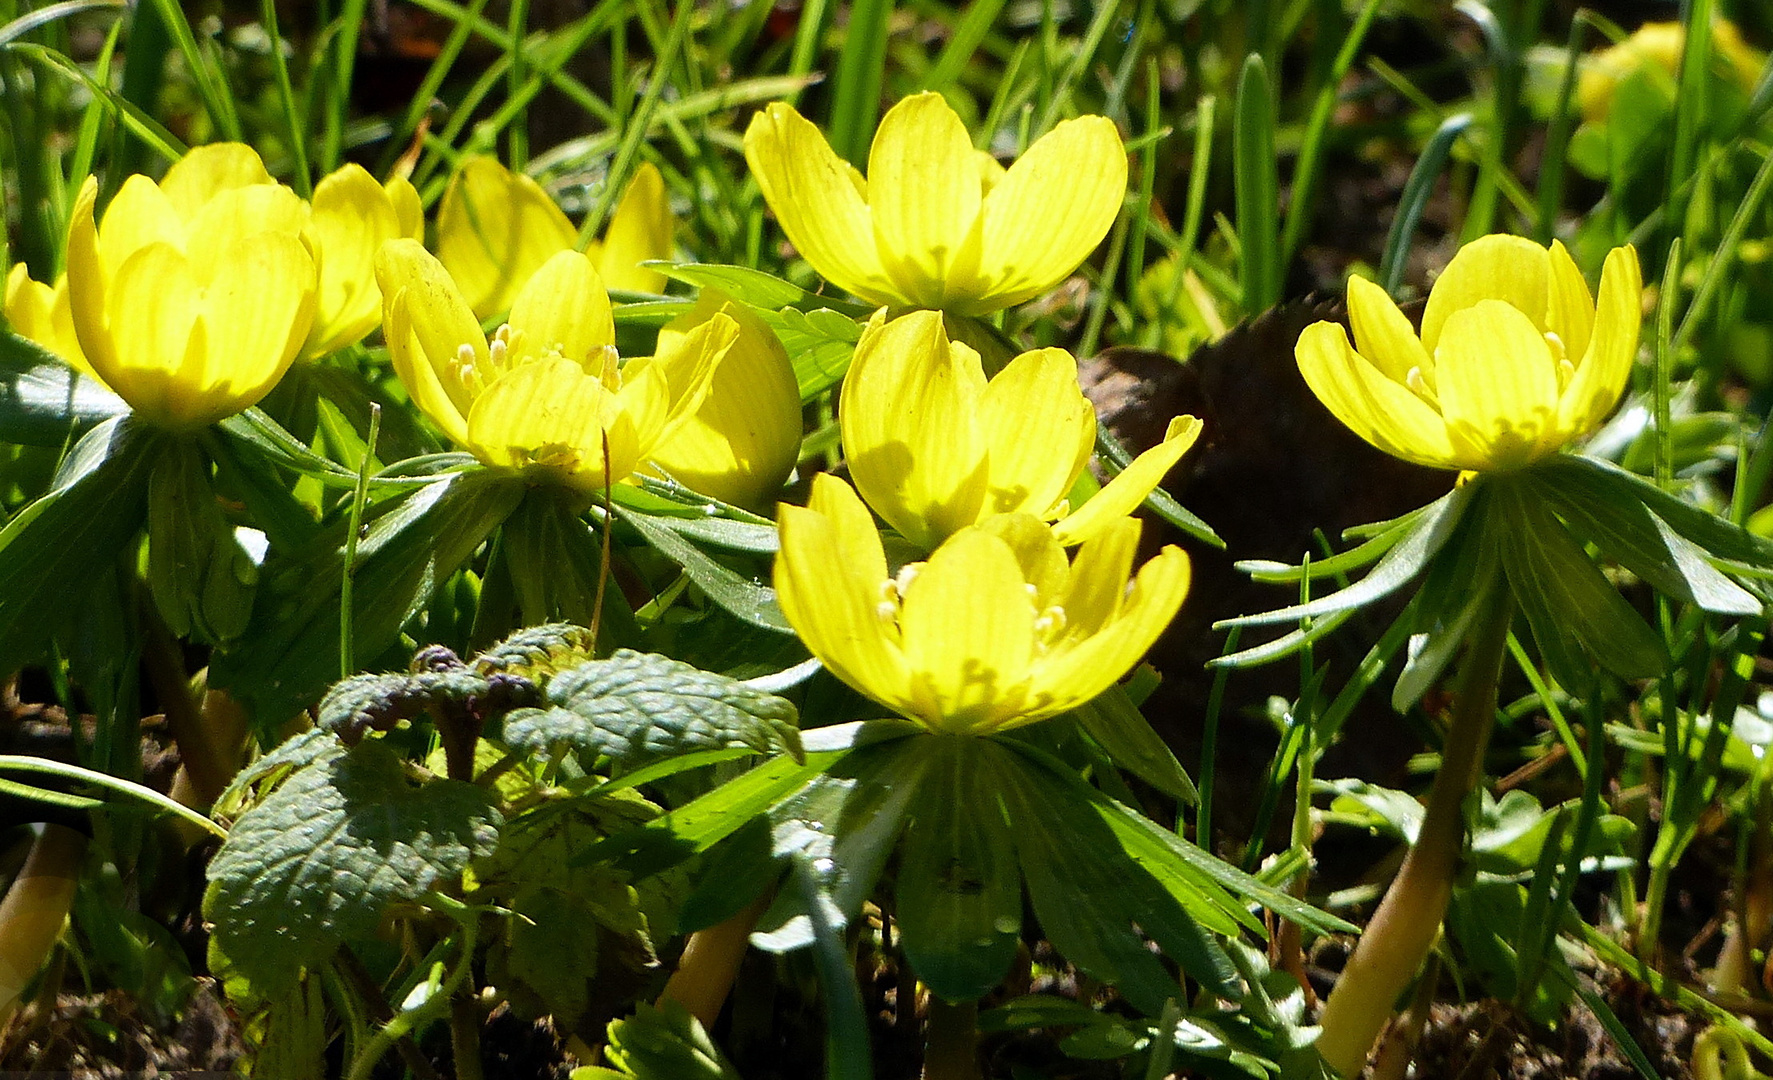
(207, 171)
(1606, 366)
(564, 309)
(1511, 269)
(1381, 411)
(1035, 392)
(436, 324)
(1498, 386)
(968, 630)
(1040, 556)
(494, 229)
(152, 310)
(352, 217)
(639, 231)
(1123, 494)
(924, 192)
(140, 214)
(1383, 334)
(1569, 308)
(549, 419)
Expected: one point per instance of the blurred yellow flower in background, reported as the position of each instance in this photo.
(742, 443)
(545, 395)
(933, 446)
(41, 313)
(496, 227)
(1658, 45)
(350, 217)
(194, 295)
(994, 631)
(1514, 360)
(937, 224)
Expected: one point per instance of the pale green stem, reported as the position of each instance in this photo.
(951, 1041)
(1404, 928)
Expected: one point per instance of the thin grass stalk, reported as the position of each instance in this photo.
(861, 70)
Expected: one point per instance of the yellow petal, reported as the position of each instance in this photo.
(427, 322)
(742, 443)
(639, 231)
(1383, 334)
(494, 229)
(1097, 584)
(1512, 269)
(256, 315)
(352, 217)
(699, 358)
(563, 308)
(1050, 211)
(1604, 370)
(41, 313)
(1123, 494)
(1041, 558)
(1374, 407)
(87, 282)
(1035, 394)
(1072, 676)
(924, 191)
(645, 398)
(1569, 309)
(236, 213)
(1498, 387)
(817, 198)
(908, 417)
(549, 418)
(207, 171)
(967, 623)
(832, 597)
(409, 209)
(139, 215)
(153, 315)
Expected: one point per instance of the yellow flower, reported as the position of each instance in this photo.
(933, 446)
(742, 443)
(41, 313)
(1659, 45)
(496, 227)
(544, 396)
(938, 224)
(1515, 358)
(195, 294)
(351, 217)
(994, 631)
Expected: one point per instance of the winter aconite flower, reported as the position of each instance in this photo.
(1515, 358)
(936, 223)
(496, 227)
(994, 631)
(544, 395)
(351, 216)
(41, 313)
(1658, 46)
(934, 446)
(741, 444)
(194, 295)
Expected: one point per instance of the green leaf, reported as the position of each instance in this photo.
(200, 576)
(1568, 602)
(733, 875)
(1274, 573)
(253, 784)
(843, 825)
(747, 598)
(1455, 592)
(556, 564)
(1608, 517)
(537, 653)
(1117, 725)
(1088, 894)
(664, 1043)
(43, 400)
(53, 549)
(819, 343)
(959, 891)
(639, 707)
(1407, 558)
(320, 862)
(1713, 535)
(410, 545)
(742, 283)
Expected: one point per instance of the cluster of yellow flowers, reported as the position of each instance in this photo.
(193, 296)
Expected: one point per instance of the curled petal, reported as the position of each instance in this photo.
(1050, 210)
(1606, 366)
(818, 199)
(1381, 411)
(140, 214)
(409, 210)
(43, 314)
(258, 311)
(1040, 556)
(87, 277)
(1120, 496)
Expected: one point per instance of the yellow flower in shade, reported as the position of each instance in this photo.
(351, 217)
(496, 227)
(544, 395)
(934, 446)
(1515, 357)
(938, 224)
(742, 443)
(1659, 45)
(41, 313)
(194, 295)
(994, 631)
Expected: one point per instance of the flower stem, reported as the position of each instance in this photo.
(1403, 930)
(710, 963)
(951, 1041)
(34, 908)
